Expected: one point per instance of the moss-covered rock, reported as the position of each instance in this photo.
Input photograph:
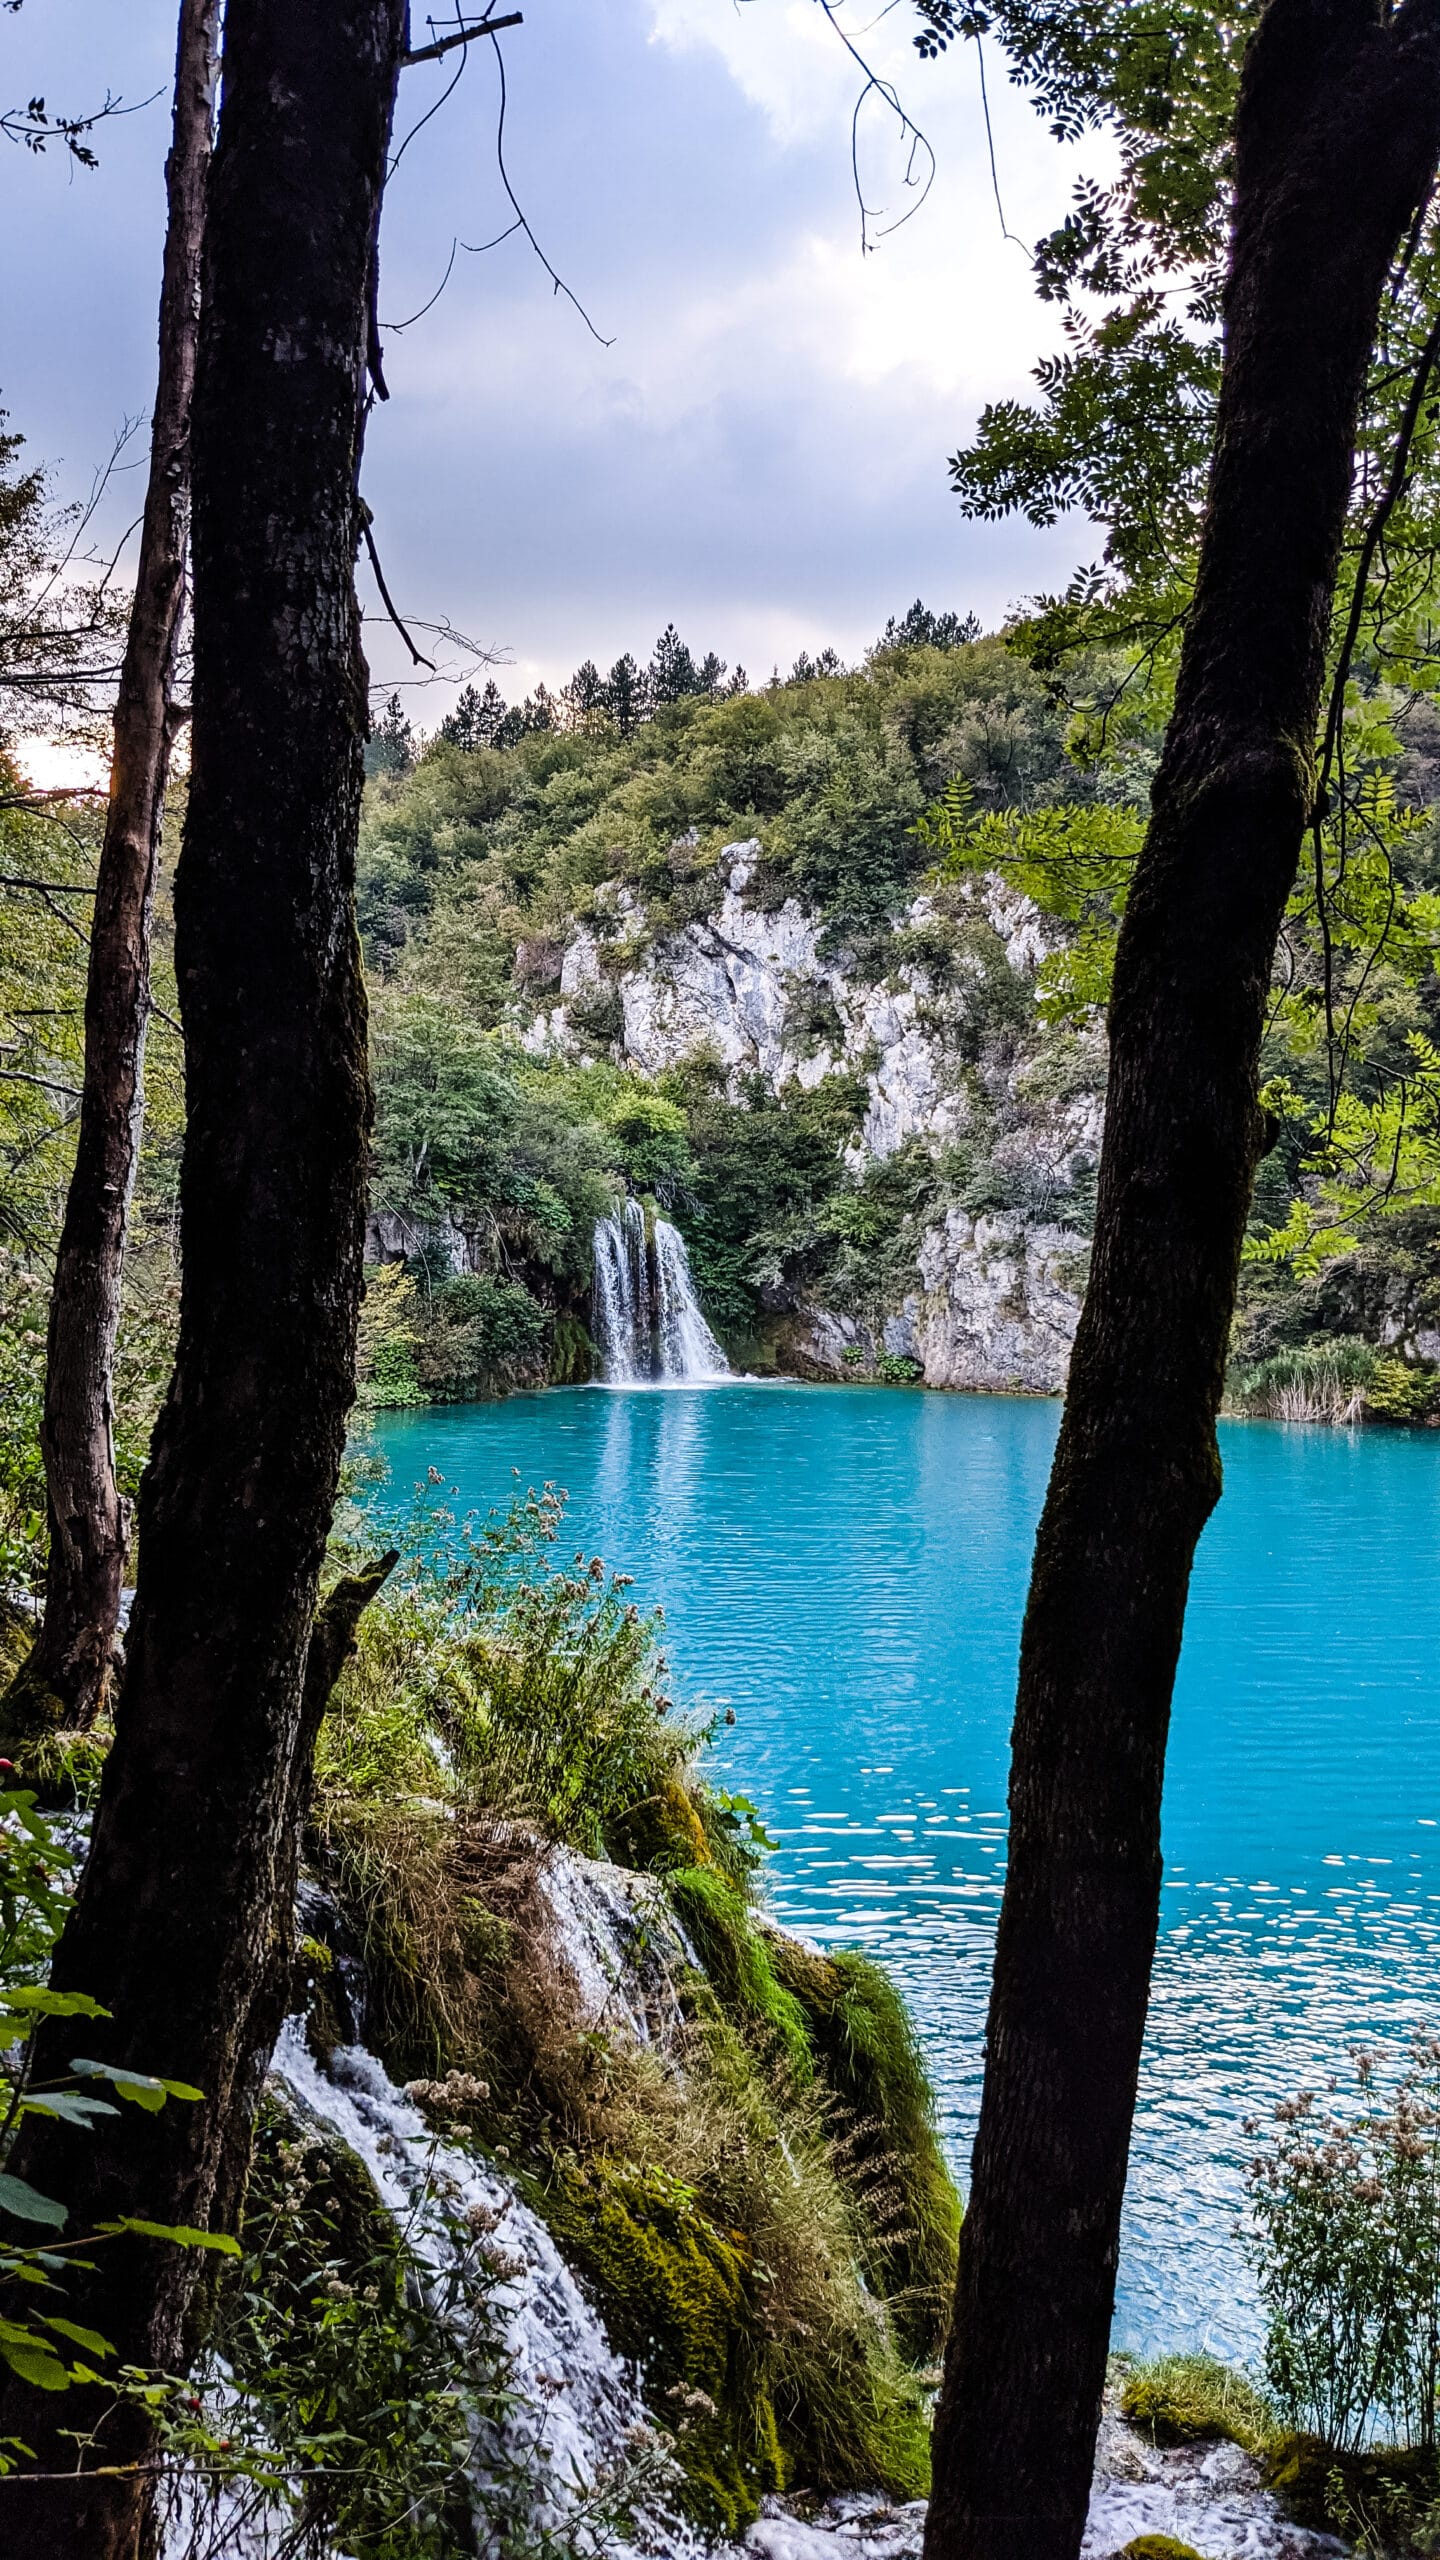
(1159, 2546)
(738, 1961)
(662, 1831)
(888, 2149)
(680, 2296)
(1194, 2399)
(1338, 2492)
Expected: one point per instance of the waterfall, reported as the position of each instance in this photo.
(571, 2453)
(646, 1322)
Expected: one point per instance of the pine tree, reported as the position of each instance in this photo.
(391, 744)
(482, 720)
(625, 695)
(582, 700)
(922, 629)
(710, 674)
(672, 671)
(538, 711)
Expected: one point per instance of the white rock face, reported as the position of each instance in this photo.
(998, 1293)
(1002, 1303)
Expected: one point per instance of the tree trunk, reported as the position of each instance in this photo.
(1337, 138)
(183, 1909)
(65, 1677)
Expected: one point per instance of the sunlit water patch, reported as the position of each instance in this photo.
(846, 1568)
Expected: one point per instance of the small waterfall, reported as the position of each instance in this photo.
(646, 1322)
(577, 2445)
(688, 1348)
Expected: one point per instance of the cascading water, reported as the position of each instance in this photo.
(647, 1324)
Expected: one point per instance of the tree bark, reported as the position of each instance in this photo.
(1337, 138)
(183, 1912)
(65, 1678)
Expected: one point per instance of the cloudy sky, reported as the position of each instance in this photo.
(759, 450)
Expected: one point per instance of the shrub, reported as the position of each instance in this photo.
(1345, 2213)
(1397, 1393)
(478, 1333)
(389, 1338)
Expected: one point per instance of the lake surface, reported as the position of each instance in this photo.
(846, 1567)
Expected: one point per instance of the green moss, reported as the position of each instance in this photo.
(662, 1831)
(889, 2150)
(1191, 2399)
(573, 1357)
(1388, 2489)
(737, 1961)
(1159, 2546)
(756, 2402)
(679, 2295)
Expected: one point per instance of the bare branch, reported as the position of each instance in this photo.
(387, 599)
(521, 223)
(44, 888)
(465, 35)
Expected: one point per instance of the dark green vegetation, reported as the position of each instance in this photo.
(478, 866)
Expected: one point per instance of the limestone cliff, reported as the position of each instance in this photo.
(994, 1294)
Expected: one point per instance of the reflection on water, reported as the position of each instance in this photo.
(847, 1568)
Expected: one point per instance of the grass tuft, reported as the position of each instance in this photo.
(1193, 2399)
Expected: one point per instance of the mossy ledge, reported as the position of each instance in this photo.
(729, 2135)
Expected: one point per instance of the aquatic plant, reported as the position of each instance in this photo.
(1319, 1382)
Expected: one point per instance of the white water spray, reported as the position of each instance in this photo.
(647, 1324)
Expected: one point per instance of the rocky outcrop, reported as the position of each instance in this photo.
(996, 1289)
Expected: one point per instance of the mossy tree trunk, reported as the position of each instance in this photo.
(183, 1910)
(67, 1672)
(1336, 145)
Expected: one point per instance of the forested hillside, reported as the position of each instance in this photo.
(820, 968)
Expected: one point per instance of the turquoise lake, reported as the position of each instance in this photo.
(846, 1568)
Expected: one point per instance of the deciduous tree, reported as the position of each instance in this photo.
(65, 1678)
(1335, 145)
(182, 1914)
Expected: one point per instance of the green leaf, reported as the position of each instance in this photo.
(141, 2087)
(68, 2105)
(17, 2196)
(179, 2232)
(36, 2364)
(89, 2339)
(52, 2004)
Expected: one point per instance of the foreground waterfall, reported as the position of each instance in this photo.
(645, 1319)
(577, 2466)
